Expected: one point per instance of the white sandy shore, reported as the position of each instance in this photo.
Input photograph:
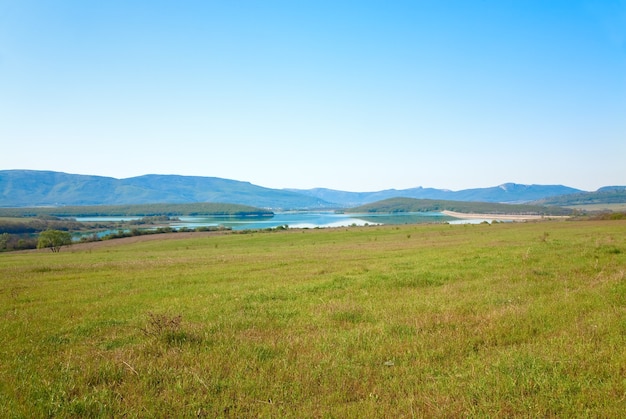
(504, 217)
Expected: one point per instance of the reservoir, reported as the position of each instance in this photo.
(297, 219)
(321, 219)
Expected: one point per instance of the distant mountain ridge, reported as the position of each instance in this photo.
(21, 188)
(511, 193)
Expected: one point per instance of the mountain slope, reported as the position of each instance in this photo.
(37, 188)
(43, 188)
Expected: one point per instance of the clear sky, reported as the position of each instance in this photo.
(352, 95)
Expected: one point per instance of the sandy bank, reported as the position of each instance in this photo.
(503, 217)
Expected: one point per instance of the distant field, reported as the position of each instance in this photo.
(600, 207)
(510, 319)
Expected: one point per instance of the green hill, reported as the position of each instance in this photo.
(395, 205)
(607, 195)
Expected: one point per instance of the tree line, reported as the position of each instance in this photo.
(143, 210)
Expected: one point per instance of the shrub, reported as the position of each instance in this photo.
(168, 329)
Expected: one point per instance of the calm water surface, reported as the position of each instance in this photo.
(320, 219)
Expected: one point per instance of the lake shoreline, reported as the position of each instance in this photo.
(501, 217)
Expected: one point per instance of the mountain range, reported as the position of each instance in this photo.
(28, 188)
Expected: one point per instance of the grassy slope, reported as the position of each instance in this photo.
(429, 320)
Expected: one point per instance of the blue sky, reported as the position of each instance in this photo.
(352, 95)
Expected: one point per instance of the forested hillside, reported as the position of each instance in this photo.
(395, 205)
(606, 195)
(19, 188)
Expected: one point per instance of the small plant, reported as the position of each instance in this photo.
(163, 326)
(168, 329)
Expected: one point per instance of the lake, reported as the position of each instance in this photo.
(321, 219)
(309, 219)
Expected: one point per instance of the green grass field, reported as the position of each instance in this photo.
(413, 321)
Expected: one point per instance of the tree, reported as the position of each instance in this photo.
(54, 239)
(4, 239)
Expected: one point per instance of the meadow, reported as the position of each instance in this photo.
(509, 319)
